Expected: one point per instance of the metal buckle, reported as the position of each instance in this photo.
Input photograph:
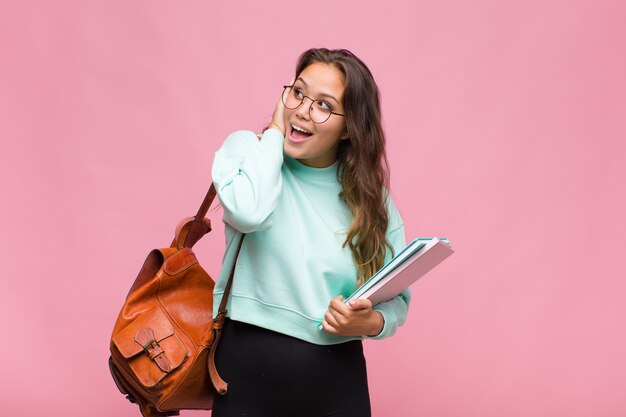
(151, 345)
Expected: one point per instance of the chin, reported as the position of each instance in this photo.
(290, 152)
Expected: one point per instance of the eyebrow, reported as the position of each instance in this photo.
(321, 94)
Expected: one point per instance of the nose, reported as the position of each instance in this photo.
(303, 111)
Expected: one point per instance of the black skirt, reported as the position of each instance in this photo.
(270, 374)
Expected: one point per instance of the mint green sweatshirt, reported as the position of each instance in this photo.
(292, 262)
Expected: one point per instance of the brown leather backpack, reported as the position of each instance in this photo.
(163, 343)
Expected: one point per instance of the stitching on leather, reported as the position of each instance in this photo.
(188, 254)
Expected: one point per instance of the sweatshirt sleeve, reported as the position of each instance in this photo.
(395, 310)
(247, 176)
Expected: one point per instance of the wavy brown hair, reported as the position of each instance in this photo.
(363, 166)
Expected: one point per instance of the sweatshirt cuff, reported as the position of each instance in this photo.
(388, 320)
(273, 133)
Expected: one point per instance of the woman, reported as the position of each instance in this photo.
(310, 196)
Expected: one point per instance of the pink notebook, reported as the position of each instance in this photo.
(407, 272)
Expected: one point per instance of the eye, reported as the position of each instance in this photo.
(298, 92)
(323, 105)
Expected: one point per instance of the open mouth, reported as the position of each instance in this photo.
(298, 134)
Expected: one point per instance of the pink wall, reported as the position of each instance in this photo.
(506, 134)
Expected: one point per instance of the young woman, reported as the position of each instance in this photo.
(309, 197)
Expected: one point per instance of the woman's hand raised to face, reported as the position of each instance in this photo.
(277, 118)
(278, 121)
(357, 318)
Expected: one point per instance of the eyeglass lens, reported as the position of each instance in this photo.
(293, 98)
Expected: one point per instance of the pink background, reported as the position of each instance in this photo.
(506, 127)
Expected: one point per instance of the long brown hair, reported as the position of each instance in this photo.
(363, 165)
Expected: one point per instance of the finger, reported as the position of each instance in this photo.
(334, 318)
(336, 302)
(339, 306)
(328, 328)
(360, 304)
(331, 319)
(277, 117)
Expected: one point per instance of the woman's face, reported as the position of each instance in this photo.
(318, 147)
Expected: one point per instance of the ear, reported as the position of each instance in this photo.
(345, 135)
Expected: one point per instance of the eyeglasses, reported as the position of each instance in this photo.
(319, 110)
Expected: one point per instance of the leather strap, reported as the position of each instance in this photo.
(220, 385)
(198, 227)
(145, 337)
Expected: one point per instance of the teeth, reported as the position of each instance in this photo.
(299, 129)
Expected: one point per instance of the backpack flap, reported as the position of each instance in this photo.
(150, 346)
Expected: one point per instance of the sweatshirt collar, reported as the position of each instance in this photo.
(328, 173)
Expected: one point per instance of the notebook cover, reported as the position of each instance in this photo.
(408, 272)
